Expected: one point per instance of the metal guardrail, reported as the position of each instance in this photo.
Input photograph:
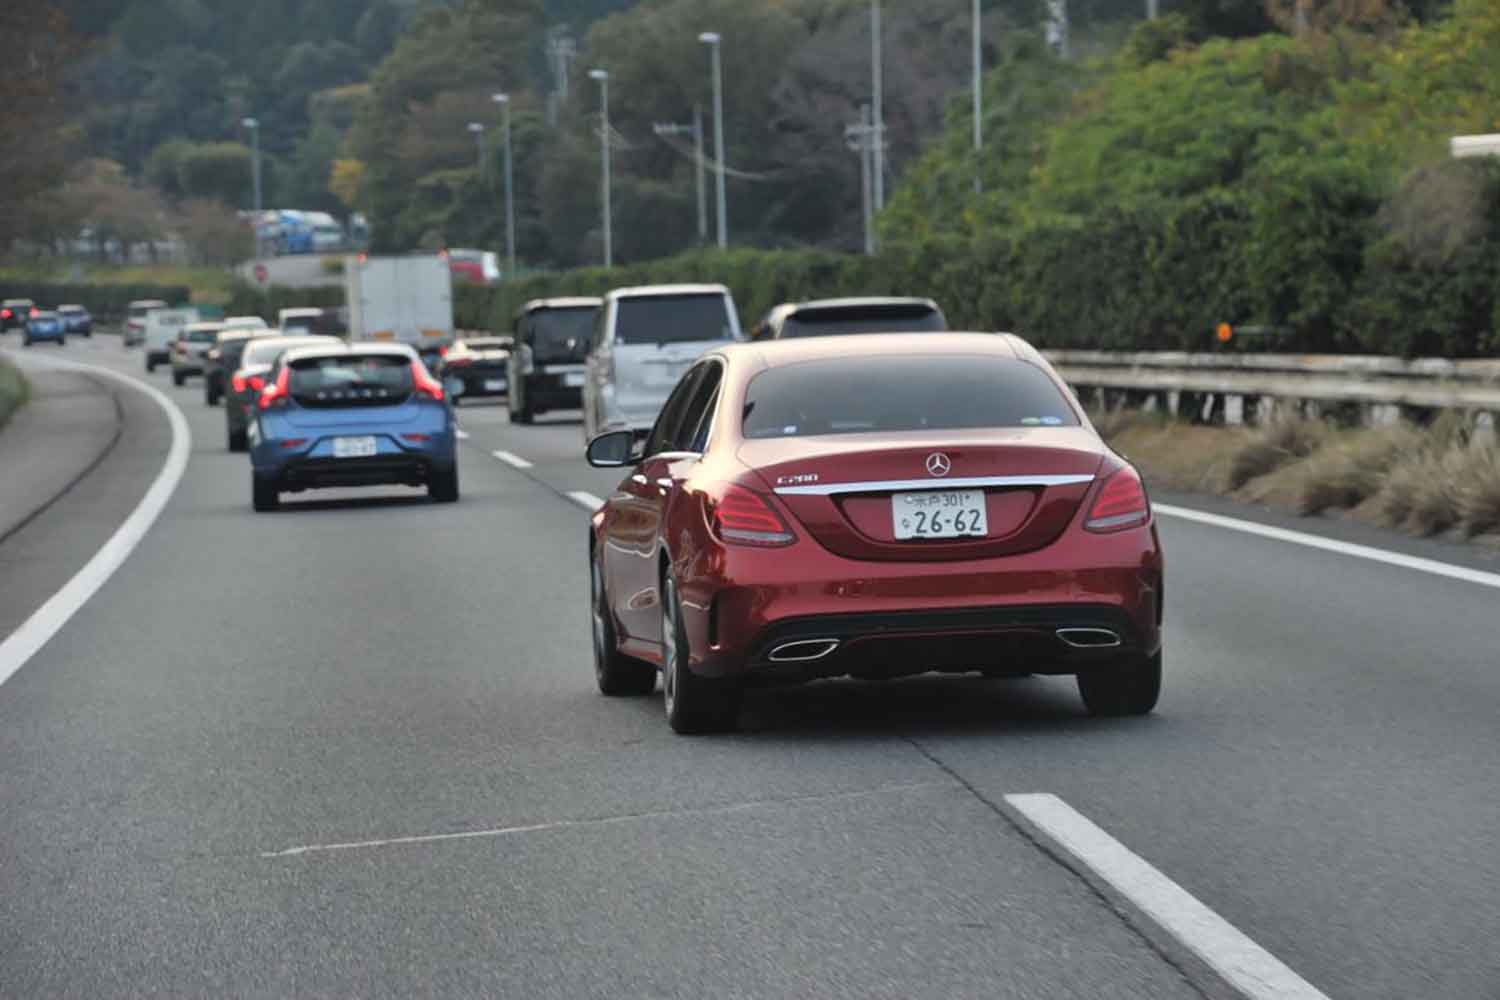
(1427, 383)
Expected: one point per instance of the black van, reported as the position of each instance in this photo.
(546, 365)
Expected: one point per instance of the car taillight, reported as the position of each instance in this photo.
(4, 314)
(443, 351)
(424, 384)
(744, 517)
(257, 383)
(239, 383)
(1121, 503)
(35, 313)
(274, 395)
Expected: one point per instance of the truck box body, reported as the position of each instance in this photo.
(407, 300)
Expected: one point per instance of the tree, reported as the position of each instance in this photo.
(219, 171)
(32, 106)
(214, 234)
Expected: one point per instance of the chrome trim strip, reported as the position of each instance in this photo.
(929, 485)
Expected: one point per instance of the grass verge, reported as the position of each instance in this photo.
(1441, 479)
(14, 391)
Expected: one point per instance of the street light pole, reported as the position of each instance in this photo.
(253, 124)
(877, 72)
(603, 79)
(702, 170)
(510, 197)
(713, 41)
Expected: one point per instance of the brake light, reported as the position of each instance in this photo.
(275, 395)
(4, 314)
(1121, 503)
(416, 438)
(443, 351)
(424, 384)
(239, 383)
(257, 382)
(743, 517)
(35, 312)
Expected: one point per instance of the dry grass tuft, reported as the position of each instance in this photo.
(1279, 441)
(1479, 491)
(1350, 468)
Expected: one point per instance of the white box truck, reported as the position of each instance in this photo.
(407, 300)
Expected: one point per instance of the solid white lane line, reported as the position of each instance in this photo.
(587, 501)
(1242, 964)
(461, 434)
(568, 824)
(1417, 563)
(47, 620)
(512, 459)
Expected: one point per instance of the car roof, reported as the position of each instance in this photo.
(200, 327)
(71, 305)
(301, 341)
(29, 302)
(302, 311)
(861, 302)
(339, 347)
(241, 319)
(142, 303)
(665, 291)
(242, 333)
(776, 353)
(566, 302)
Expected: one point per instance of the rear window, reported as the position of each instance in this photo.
(562, 334)
(139, 312)
(903, 393)
(267, 351)
(672, 319)
(350, 379)
(306, 324)
(230, 351)
(863, 319)
(202, 336)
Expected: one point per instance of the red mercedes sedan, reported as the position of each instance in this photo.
(872, 506)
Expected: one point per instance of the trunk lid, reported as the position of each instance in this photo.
(840, 489)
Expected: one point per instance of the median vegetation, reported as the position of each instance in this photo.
(1439, 479)
(14, 391)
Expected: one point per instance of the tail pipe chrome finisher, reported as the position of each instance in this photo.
(1089, 638)
(803, 650)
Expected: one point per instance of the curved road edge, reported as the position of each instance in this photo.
(47, 620)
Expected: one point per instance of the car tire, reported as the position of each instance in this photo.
(524, 415)
(618, 675)
(236, 440)
(62, 341)
(210, 398)
(177, 377)
(263, 494)
(1131, 687)
(443, 486)
(150, 366)
(25, 341)
(695, 705)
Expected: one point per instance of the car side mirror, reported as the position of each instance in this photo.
(613, 450)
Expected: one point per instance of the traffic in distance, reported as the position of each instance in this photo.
(847, 490)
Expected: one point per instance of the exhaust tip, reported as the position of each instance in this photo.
(1089, 638)
(803, 650)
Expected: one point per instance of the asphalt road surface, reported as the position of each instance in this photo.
(354, 748)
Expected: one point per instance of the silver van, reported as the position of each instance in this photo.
(644, 339)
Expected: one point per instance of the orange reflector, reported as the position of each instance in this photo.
(1225, 333)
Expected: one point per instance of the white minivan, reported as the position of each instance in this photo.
(161, 329)
(644, 340)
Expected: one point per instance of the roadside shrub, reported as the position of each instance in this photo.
(1479, 490)
(107, 302)
(14, 390)
(1279, 441)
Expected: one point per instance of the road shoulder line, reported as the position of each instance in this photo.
(36, 631)
(1366, 552)
(1197, 937)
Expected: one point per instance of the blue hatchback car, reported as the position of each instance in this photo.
(45, 326)
(351, 415)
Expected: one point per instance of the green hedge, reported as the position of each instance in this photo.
(106, 302)
(1319, 260)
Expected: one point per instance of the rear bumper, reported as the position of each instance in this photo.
(46, 334)
(158, 357)
(546, 392)
(892, 619)
(410, 469)
(476, 382)
(306, 460)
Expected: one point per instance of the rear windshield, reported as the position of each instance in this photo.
(672, 319)
(304, 323)
(863, 319)
(202, 336)
(562, 334)
(351, 378)
(230, 351)
(139, 312)
(903, 393)
(487, 345)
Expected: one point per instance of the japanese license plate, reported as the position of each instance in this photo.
(573, 380)
(944, 514)
(353, 447)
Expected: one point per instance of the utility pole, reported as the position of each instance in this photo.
(877, 72)
(861, 137)
(1153, 9)
(561, 51)
(253, 125)
(715, 44)
(700, 164)
(510, 190)
(602, 77)
(978, 55)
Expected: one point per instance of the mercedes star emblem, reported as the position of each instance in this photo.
(938, 464)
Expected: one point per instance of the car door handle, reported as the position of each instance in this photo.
(665, 482)
(639, 479)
